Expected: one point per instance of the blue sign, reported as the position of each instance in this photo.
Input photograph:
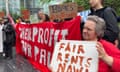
(84, 14)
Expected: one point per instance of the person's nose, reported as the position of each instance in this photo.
(84, 30)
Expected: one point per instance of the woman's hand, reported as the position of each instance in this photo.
(103, 55)
(101, 51)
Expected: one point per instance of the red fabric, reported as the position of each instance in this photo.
(111, 51)
(25, 30)
(18, 44)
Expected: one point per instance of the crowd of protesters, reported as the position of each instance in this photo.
(102, 26)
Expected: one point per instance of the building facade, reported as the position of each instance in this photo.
(15, 6)
(2, 5)
(36, 5)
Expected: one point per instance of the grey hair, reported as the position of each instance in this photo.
(100, 25)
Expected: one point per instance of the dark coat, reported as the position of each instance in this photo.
(112, 29)
(9, 36)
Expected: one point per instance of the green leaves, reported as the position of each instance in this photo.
(45, 1)
(114, 4)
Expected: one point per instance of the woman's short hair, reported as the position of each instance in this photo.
(100, 25)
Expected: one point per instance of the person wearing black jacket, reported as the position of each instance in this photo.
(8, 38)
(108, 14)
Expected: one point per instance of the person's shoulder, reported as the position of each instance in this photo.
(110, 48)
(108, 9)
(106, 43)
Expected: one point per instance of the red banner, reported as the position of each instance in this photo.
(36, 41)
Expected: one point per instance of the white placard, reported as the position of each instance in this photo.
(75, 56)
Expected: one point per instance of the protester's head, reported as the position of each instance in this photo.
(40, 15)
(95, 3)
(94, 28)
(43, 17)
(1, 20)
(6, 20)
(20, 19)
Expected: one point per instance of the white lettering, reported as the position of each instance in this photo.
(51, 35)
(24, 49)
(56, 36)
(64, 33)
(48, 58)
(40, 36)
(35, 31)
(29, 50)
(36, 52)
(46, 36)
(43, 56)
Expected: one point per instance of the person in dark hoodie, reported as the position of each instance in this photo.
(8, 38)
(108, 14)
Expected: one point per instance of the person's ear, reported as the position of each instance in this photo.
(116, 42)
